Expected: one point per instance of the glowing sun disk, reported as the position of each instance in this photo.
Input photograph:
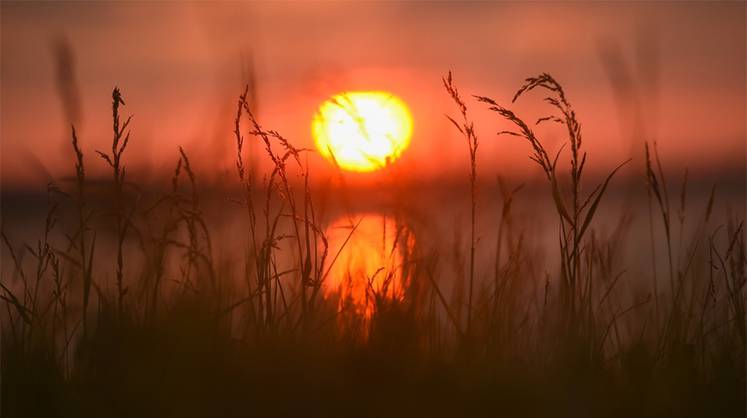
(362, 131)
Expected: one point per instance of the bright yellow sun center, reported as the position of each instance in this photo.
(362, 131)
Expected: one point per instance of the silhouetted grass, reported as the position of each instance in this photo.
(178, 336)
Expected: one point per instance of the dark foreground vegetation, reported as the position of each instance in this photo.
(121, 308)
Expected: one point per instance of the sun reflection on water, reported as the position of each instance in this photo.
(374, 250)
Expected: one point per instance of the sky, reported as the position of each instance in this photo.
(673, 73)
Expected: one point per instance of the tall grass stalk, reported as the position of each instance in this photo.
(574, 219)
(120, 140)
(85, 260)
(467, 128)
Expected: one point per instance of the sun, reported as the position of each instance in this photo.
(362, 130)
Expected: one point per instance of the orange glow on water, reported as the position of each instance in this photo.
(372, 262)
(362, 131)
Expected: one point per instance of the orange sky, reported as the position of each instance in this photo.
(182, 65)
